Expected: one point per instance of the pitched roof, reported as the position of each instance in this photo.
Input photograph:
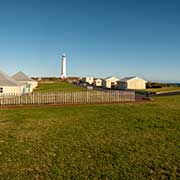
(20, 76)
(6, 80)
(129, 78)
(111, 77)
(98, 79)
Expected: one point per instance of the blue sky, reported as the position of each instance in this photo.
(100, 37)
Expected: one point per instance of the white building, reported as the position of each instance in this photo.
(8, 85)
(63, 67)
(28, 83)
(89, 80)
(98, 82)
(132, 83)
(110, 82)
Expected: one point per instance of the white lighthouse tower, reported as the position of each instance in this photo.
(63, 67)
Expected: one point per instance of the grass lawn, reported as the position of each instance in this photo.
(120, 141)
(164, 89)
(58, 86)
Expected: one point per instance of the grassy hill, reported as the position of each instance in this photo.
(159, 90)
(122, 141)
(58, 86)
(164, 89)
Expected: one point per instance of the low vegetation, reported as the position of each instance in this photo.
(164, 89)
(122, 141)
(58, 86)
(160, 85)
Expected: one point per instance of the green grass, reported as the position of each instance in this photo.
(57, 86)
(122, 141)
(164, 89)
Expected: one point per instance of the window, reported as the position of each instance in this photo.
(1, 90)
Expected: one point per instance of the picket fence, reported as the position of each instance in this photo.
(83, 97)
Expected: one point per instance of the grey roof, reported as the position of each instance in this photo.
(98, 79)
(129, 78)
(20, 76)
(110, 77)
(6, 80)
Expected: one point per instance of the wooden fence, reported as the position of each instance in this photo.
(68, 97)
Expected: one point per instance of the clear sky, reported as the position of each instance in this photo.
(100, 37)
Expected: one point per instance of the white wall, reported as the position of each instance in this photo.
(11, 90)
(89, 80)
(108, 83)
(33, 85)
(98, 82)
(23, 88)
(135, 83)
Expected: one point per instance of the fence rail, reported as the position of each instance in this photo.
(83, 97)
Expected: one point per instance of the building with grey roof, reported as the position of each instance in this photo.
(132, 82)
(23, 79)
(110, 82)
(8, 85)
(20, 76)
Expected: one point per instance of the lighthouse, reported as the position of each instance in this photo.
(63, 67)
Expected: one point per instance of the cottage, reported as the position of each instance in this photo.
(23, 79)
(98, 82)
(110, 82)
(132, 83)
(8, 85)
(88, 80)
